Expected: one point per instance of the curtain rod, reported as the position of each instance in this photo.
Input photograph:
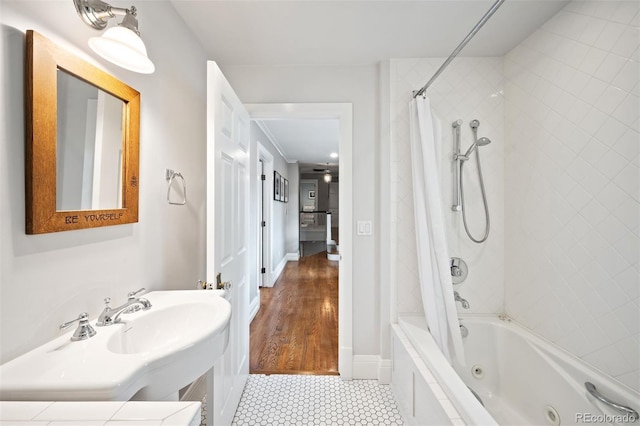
(464, 42)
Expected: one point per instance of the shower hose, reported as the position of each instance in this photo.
(484, 200)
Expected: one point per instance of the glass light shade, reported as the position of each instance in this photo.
(124, 48)
(327, 177)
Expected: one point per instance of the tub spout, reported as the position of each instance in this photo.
(463, 302)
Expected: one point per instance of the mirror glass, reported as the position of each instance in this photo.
(89, 146)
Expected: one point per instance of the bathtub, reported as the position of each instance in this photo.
(520, 378)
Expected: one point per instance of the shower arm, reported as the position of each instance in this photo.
(461, 46)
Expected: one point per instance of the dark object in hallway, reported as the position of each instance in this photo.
(296, 328)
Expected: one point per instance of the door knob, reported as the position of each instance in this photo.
(220, 285)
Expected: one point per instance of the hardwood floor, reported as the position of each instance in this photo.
(296, 328)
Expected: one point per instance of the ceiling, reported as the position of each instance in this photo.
(309, 142)
(349, 32)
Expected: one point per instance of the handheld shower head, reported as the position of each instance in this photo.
(483, 141)
(480, 142)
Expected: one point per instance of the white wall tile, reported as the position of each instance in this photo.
(626, 11)
(611, 131)
(470, 89)
(628, 180)
(592, 90)
(611, 99)
(627, 43)
(610, 67)
(628, 144)
(609, 35)
(597, 250)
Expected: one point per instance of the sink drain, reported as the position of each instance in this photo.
(552, 416)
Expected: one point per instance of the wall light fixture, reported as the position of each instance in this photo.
(120, 44)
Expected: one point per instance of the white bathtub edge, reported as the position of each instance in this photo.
(440, 375)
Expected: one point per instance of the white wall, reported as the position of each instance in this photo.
(470, 88)
(293, 223)
(51, 278)
(359, 86)
(572, 184)
(279, 211)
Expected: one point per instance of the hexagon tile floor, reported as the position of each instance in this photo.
(315, 400)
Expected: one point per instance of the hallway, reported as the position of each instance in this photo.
(296, 328)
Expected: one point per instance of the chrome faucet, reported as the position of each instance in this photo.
(111, 315)
(464, 302)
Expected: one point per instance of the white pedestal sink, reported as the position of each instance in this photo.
(149, 354)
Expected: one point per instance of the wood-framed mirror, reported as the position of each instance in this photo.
(82, 142)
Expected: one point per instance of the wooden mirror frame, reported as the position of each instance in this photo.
(43, 59)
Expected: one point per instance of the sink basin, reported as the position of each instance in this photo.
(149, 355)
(159, 329)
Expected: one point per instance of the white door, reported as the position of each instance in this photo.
(262, 225)
(227, 237)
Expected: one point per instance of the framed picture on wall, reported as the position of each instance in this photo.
(276, 186)
(312, 195)
(286, 190)
(282, 189)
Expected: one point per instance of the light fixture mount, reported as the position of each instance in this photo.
(117, 45)
(95, 13)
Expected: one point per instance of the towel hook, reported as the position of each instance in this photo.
(170, 176)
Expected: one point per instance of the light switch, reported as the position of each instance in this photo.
(364, 227)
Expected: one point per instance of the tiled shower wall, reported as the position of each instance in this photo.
(572, 184)
(471, 88)
(562, 178)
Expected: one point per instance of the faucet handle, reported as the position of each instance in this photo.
(84, 330)
(132, 294)
(107, 300)
(82, 317)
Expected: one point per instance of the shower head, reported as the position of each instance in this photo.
(480, 142)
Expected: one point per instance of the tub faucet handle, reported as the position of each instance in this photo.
(459, 270)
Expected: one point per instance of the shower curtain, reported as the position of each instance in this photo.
(433, 255)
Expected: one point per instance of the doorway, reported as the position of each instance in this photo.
(261, 275)
(343, 113)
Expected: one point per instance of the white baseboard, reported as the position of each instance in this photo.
(275, 274)
(372, 367)
(384, 371)
(345, 362)
(365, 366)
(254, 307)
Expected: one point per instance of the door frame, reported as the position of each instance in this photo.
(267, 161)
(344, 113)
